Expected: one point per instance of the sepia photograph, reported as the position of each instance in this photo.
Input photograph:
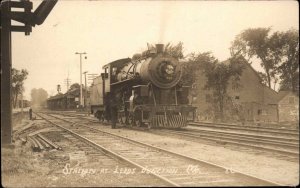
(165, 93)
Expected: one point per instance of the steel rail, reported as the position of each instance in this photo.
(44, 142)
(237, 137)
(233, 139)
(230, 140)
(49, 142)
(220, 139)
(243, 175)
(198, 138)
(270, 131)
(266, 137)
(211, 125)
(33, 143)
(73, 113)
(41, 147)
(247, 126)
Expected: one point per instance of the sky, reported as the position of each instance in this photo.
(111, 30)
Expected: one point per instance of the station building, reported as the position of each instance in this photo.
(68, 101)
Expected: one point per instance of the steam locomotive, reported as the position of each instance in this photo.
(147, 90)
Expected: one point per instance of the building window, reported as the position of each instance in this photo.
(237, 97)
(291, 100)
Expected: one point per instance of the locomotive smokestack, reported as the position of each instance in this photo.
(160, 48)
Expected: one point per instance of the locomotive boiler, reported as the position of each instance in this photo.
(147, 90)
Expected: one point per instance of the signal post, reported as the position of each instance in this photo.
(29, 19)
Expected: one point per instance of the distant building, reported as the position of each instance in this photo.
(56, 102)
(69, 100)
(26, 103)
(250, 100)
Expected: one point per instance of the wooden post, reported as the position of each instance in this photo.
(6, 102)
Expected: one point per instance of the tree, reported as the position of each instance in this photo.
(38, 97)
(175, 50)
(285, 84)
(218, 77)
(18, 78)
(74, 86)
(193, 63)
(256, 43)
(263, 76)
(289, 66)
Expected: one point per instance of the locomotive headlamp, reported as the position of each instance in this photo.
(166, 70)
(169, 69)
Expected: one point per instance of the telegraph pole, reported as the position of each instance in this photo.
(85, 96)
(67, 82)
(81, 53)
(6, 106)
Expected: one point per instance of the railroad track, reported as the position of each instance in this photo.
(173, 168)
(266, 127)
(272, 131)
(271, 144)
(282, 145)
(276, 150)
(108, 162)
